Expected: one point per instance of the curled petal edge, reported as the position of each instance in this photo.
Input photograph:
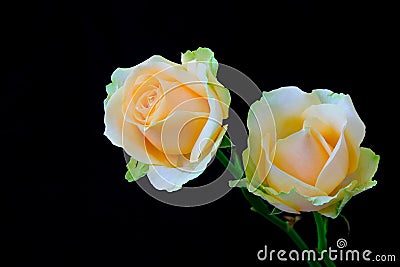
(329, 206)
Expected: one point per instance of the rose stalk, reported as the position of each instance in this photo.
(259, 206)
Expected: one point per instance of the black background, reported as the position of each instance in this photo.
(66, 199)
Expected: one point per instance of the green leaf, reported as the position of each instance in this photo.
(202, 54)
(136, 170)
(226, 142)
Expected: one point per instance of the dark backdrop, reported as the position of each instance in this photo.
(66, 199)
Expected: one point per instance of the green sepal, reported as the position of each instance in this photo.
(136, 170)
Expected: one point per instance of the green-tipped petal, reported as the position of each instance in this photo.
(120, 74)
(368, 164)
(261, 142)
(117, 80)
(111, 88)
(355, 128)
(222, 93)
(205, 66)
(202, 54)
(277, 202)
(330, 206)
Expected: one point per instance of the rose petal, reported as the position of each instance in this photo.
(328, 119)
(329, 135)
(120, 74)
(180, 97)
(152, 66)
(278, 203)
(218, 97)
(178, 133)
(135, 97)
(203, 55)
(318, 136)
(127, 135)
(292, 201)
(287, 105)
(222, 93)
(283, 182)
(164, 70)
(261, 123)
(261, 142)
(203, 64)
(196, 81)
(361, 181)
(295, 199)
(172, 179)
(113, 119)
(368, 164)
(355, 130)
(301, 155)
(330, 206)
(212, 126)
(335, 169)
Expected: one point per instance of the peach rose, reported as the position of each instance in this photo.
(304, 151)
(168, 117)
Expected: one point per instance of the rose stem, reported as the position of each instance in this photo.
(322, 229)
(262, 209)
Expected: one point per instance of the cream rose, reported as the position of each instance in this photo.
(304, 151)
(168, 117)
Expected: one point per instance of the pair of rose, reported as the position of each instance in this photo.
(303, 148)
